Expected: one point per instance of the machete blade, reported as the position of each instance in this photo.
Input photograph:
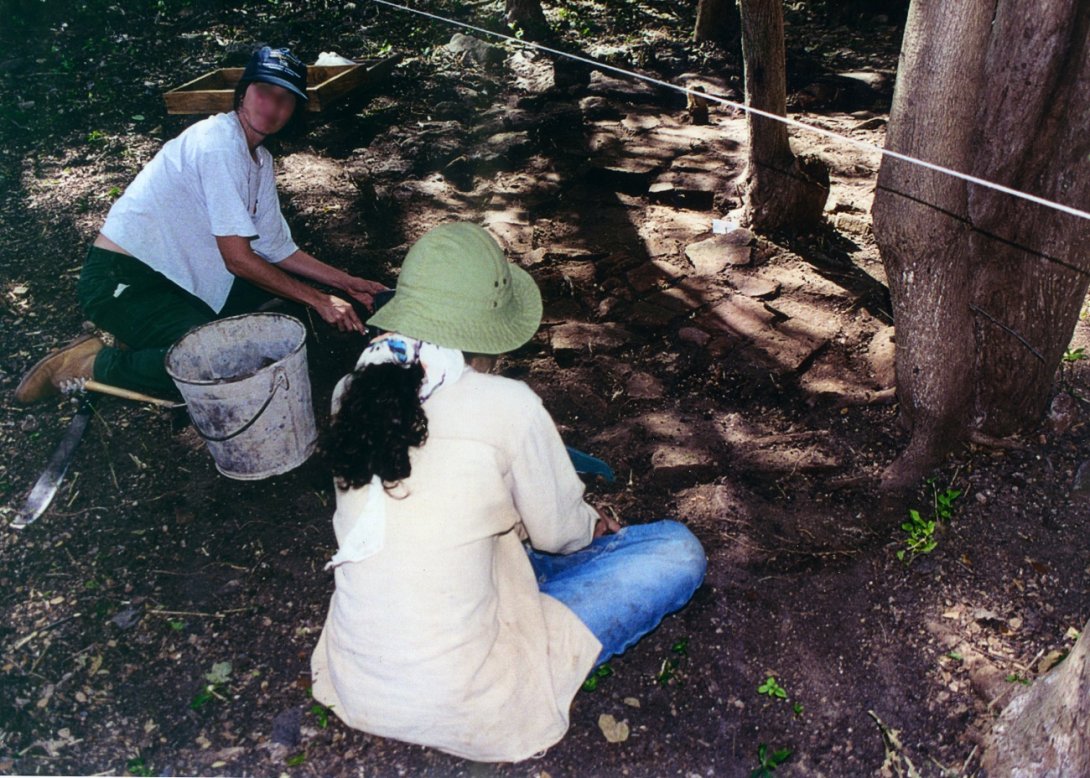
(45, 489)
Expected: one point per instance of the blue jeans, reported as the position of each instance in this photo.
(622, 585)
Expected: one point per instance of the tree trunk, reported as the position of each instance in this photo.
(717, 21)
(780, 189)
(981, 323)
(1044, 730)
(526, 16)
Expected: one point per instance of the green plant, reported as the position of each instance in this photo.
(1016, 678)
(797, 709)
(321, 714)
(670, 670)
(772, 688)
(136, 766)
(298, 759)
(1075, 355)
(921, 536)
(217, 682)
(769, 760)
(596, 675)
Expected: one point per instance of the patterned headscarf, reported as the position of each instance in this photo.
(442, 367)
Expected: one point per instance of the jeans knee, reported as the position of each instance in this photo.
(684, 548)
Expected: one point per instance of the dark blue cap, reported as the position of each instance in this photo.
(277, 66)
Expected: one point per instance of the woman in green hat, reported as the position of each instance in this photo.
(475, 588)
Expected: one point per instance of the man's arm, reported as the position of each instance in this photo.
(241, 261)
(303, 264)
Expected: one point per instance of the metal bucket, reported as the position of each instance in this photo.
(245, 383)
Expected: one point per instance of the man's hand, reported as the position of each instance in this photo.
(363, 290)
(339, 313)
(605, 525)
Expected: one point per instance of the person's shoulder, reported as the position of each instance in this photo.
(216, 133)
(495, 396)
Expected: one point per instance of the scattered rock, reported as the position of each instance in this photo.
(757, 287)
(287, 727)
(578, 337)
(652, 275)
(710, 257)
(597, 107)
(643, 386)
(880, 357)
(693, 335)
(475, 51)
(677, 465)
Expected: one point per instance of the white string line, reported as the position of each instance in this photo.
(859, 144)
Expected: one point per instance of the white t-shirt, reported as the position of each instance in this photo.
(201, 185)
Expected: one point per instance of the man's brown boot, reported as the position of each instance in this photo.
(73, 362)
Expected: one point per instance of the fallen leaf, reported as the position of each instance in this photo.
(615, 731)
(1050, 660)
(631, 702)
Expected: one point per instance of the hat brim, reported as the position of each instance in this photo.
(489, 332)
(284, 83)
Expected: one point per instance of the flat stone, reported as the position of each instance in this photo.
(640, 123)
(575, 337)
(647, 314)
(516, 238)
(695, 191)
(693, 335)
(676, 300)
(757, 287)
(631, 176)
(737, 316)
(623, 88)
(674, 466)
(653, 275)
(643, 386)
(710, 257)
(597, 107)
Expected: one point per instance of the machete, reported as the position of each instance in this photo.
(50, 480)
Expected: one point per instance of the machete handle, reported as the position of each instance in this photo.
(129, 394)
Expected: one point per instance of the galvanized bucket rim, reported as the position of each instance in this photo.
(235, 379)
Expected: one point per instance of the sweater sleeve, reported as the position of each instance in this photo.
(547, 492)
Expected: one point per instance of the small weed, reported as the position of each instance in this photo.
(1016, 678)
(96, 136)
(136, 766)
(176, 624)
(769, 760)
(1075, 355)
(321, 714)
(797, 709)
(921, 536)
(955, 656)
(921, 531)
(217, 681)
(298, 759)
(771, 688)
(596, 676)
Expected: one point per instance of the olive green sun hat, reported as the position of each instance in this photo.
(457, 290)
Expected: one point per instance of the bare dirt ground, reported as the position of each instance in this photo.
(159, 618)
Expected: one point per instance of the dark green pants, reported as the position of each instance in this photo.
(147, 313)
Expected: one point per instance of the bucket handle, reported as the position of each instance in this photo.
(281, 380)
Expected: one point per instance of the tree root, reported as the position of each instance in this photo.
(1007, 444)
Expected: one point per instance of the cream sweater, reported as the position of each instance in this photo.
(442, 638)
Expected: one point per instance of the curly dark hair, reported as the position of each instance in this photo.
(380, 418)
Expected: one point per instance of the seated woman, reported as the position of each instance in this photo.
(444, 629)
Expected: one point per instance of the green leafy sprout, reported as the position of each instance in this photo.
(596, 676)
(920, 529)
(772, 688)
(769, 760)
(217, 682)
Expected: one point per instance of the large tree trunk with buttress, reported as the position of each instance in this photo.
(780, 189)
(1044, 731)
(986, 288)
